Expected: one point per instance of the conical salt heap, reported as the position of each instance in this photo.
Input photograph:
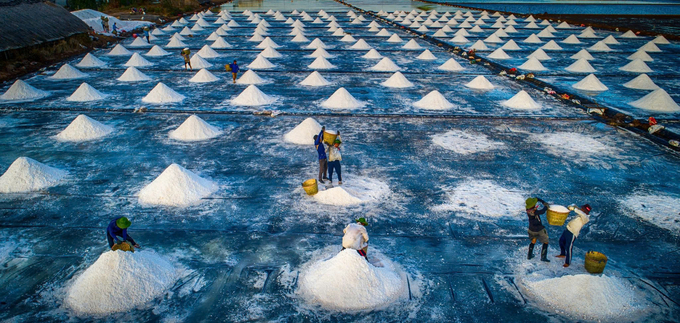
(204, 76)
(268, 42)
(197, 61)
(641, 55)
(342, 99)
(433, 101)
(317, 43)
(300, 38)
(140, 42)
(394, 39)
(412, 44)
(175, 43)
(68, 72)
(207, 52)
(157, 51)
(385, 65)
(321, 63)
(540, 55)
(176, 186)
(660, 40)
(479, 45)
(261, 63)
(397, 80)
(348, 39)
(220, 43)
(590, 83)
(532, 39)
(119, 50)
(499, 54)
(480, 83)
(551, 45)
(650, 47)
(372, 54)
(658, 101)
(583, 54)
(629, 34)
(138, 61)
(315, 79)
(161, 93)
(252, 96)
(636, 66)
(459, 39)
(522, 101)
(581, 66)
(84, 128)
(22, 91)
(361, 44)
(572, 39)
(250, 77)
(303, 134)
(91, 61)
(320, 52)
(610, 40)
(451, 65)
(600, 47)
(85, 93)
(641, 82)
(532, 64)
(511, 45)
(194, 129)
(132, 74)
(27, 175)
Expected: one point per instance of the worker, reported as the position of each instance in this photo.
(321, 150)
(147, 34)
(571, 232)
(356, 237)
(536, 229)
(115, 29)
(334, 158)
(234, 70)
(187, 60)
(118, 228)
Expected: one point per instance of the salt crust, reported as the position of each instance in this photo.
(483, 200)
(26, 175)
(303, 133)
(465, 142)
(177, 187)
(194, 129)
(84, 128)
(657, 208)
(570, 143)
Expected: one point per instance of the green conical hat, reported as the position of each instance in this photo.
(123, 223)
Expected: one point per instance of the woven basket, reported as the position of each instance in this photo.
(329, 137)
(125, 246)
(310, 186)
(556, 218)
(595, 262)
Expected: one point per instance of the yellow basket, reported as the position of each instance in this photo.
(595, 262)
(556, 218)
(310, 186)
(329, 137)
(125, 246)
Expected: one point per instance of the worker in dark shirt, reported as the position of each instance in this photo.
(536, 229)
(321, 150)
(118, 228)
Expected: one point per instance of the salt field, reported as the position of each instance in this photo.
(438, 154)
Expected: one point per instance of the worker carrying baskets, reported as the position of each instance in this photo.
(536, 229)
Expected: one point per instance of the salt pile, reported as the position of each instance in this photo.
(26, 175)
(397, 80)
(342, 99)
(300, 38)
(385, 65)
(581, 66)
(642, 82)
(204, 76)
(434, 101)
(220, 43)
(511, 45)
(252, 96)
(641, 55)
(120, 281)
(480, 83)
(67, 72)
(175, 43)
(303, 133)
(176, 186)
(268, 42)
(650, 47)
(133, 75)
(372, 54)
(583, 54)
(412, 44)
(85, 93)
(661, 40)
(333, 283)
(261, 63)
(119, 50)
(317, 43)
(161, 93)
(140, 42)
(315, 79)
(451, 65)
(22, 91)
(600, 47)
(84, 128)
(356, 190)
(533, 39)
(522, 101)
(465, 143)
(479, 45)
(572, 39)
(250, 77)
(590, 83)
(157, 51)
(459, 39)
(321, 63)
(629, 34)
(320, 52)
(498, 54)
(658, 208)
(394, 39)
(207, 52)
(551, 45)
(91, 61)
(658, 101)
(636, 66)
(194, 129)
(540, 55)
(481, 199)
(533, 64)
(198, 62)
(610, 40)
(361, 45)
(138, 61)
(426, 55)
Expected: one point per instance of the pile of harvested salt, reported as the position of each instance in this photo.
(132, 74)
(303, 133)
(22, 91)
(480, 83)
(194, 129)
(252, 96)
(176, 186)
(68, 72)
(26, 175)
(315, 79)
(204, 76)
(85, 93)
(84, 128)
(161, 93)
(342, 99)
(397, 80)
(434, 101)
(523, 101)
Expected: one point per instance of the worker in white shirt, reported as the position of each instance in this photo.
(571, 232)
(356, 237)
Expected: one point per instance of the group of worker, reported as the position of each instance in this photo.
(233, 67)
(328, 163)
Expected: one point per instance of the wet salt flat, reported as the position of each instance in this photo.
(442, 185)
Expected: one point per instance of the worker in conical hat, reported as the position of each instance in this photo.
(334, 158)
(118, 228)
(571, 232)
(356, 237)
(233, 68)
(187, 60)
(536, 229)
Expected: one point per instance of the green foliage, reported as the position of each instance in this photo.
(425, 7)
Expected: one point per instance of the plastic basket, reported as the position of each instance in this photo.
(556, 218)
(595, 262)
(310, 186)
(329, 137)
(124, 246)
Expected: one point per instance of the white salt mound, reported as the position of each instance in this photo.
(636, 66)
(657, 208)
(261, 63)
(581, 66)
(198, 62)
(204, 76)
(84, 128)
(161, 93)
(342, 99)
(315, 79)
(590, 83)
(119, 50)
(355, 190)
(451, 65)
(426, 55)
(22, 91)
(120, 281)
(397, 80)
(481, 83)
(499, 53)
(132, 74)
(641, 82)
(176, 186)
(84, 93)
(157, 51)
(207, 52)
(483, 200)
(533, 64)
(26, 175)
(194, 129)
(252, 96)
(658, 101)
(385, 65)
(321, 63)
(434, 101)
(90, 61)
(333, 283)
(372, 54)
(250, 77)
(303, 133)
(138, 61)
(465, 143)
(582, 54)
(412, 44)
(522, 101)
(68, 72)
